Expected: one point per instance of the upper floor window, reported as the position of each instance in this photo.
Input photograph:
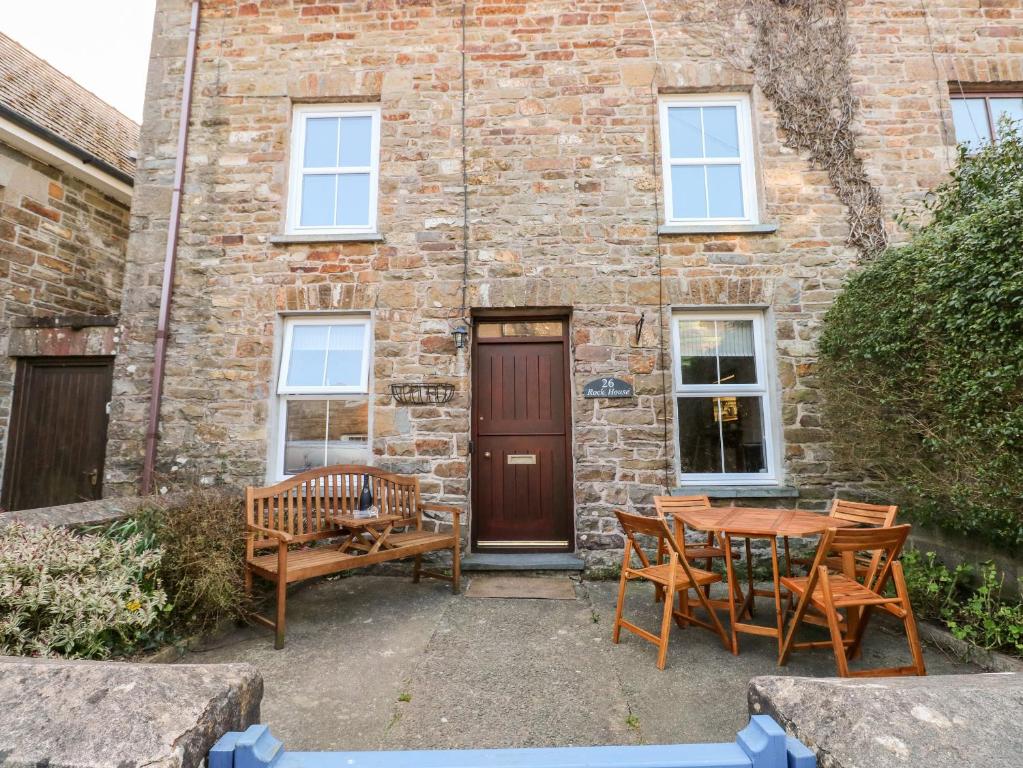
(707, 157)
(722, 398)
(977, 117)
(335, 162)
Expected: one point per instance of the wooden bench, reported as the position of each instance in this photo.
(294, 517)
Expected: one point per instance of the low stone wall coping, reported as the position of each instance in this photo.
(941, 721)
(80, 714)
(77, 515)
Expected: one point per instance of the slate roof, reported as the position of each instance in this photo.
(51, 100)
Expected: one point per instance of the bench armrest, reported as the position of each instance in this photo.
(431, 507)
(287, 538)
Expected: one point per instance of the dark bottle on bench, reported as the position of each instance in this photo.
(366, 497)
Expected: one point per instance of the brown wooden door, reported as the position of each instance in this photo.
(57, 440)
(522, 489)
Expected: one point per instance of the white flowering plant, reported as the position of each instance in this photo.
(74, 595)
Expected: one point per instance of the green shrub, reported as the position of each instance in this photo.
(976, 614)
(201, 532)
(922, 357)
(76, 595)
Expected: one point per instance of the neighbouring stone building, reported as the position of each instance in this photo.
(594, 190)
(66, 169)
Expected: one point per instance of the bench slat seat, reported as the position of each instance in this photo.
(306, 508)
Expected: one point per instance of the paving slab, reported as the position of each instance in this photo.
(502, 673)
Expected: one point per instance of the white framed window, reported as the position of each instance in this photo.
(722, 398)
(335, 165)
(707, 160)
(977, 116)
(323, 393)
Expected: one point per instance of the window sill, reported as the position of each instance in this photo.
(717, 229)
(738, 491)
(348, 237)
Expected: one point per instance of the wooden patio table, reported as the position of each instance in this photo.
(366, 534)
(757, 523)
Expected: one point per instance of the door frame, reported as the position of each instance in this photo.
(17, 413)
(563, 314)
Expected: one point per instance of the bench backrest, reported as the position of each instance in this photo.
(303, 505)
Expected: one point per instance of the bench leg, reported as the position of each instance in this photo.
(248, 582)
(279, 624)
(456, 568)
(417, 569)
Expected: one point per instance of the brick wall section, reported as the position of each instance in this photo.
(62, 251)
(563, 197)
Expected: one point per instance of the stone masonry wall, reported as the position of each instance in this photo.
(62, 251)
(564, 199)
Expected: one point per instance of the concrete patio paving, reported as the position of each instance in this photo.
(376, 662)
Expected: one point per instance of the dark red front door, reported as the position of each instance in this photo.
(522, 498)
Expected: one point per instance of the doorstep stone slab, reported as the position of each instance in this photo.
(81, 714)
(942, 721)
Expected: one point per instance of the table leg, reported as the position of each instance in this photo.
(777, 591)
(749, 605)
(730, 575)
(852, 614)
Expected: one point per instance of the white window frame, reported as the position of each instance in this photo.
(300, 117)
(761, 389)
(747, 169)
(284, 393)
(362, 388)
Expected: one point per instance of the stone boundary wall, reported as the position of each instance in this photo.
(77, 515)
(61, 713)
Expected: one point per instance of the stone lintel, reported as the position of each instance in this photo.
(63, 340)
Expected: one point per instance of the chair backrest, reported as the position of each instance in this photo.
(885, 544)
(876, 515)
(303, 505)
(665, 505)
(641, 525)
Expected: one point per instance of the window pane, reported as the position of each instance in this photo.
(970, 119)
(1007, 107)
(347, 430)
(684, 132)
(717, 352)
(353, 200)
(317, 200)
(356, 141)
(698, 351)
(721, 131)
(308, 353)
(724, 189)
(320, 142)
(304, 435)
(699, 439)
(688, 193)
(524, 328)
(721, 434)
(736, 359)
(344, 356)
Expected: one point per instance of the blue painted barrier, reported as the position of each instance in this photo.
(761, 744)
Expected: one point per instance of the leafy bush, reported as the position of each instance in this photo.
(201, 533)
(74, 595)
(922, 356)
(977, 615)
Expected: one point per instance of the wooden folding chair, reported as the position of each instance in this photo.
(829, 592)
(675, 576)
(866, 515)
(666, 506)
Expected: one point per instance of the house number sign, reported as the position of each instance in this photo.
(608, 387)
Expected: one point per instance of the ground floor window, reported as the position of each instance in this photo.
(323, 393)
(722, 397)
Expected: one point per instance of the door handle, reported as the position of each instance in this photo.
(486, 454)
(93, 476)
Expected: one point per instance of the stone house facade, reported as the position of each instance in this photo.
(66, 170)
(592, 190)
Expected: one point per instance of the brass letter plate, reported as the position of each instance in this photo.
(522, 458)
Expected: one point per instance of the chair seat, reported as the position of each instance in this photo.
(299, 559)
(421, 537)
(844, 591)
(660, 574)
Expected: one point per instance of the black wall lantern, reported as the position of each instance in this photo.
(461, 335)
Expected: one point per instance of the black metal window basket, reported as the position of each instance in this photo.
(422, 393)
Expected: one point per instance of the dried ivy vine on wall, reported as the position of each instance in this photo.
(800, 59)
